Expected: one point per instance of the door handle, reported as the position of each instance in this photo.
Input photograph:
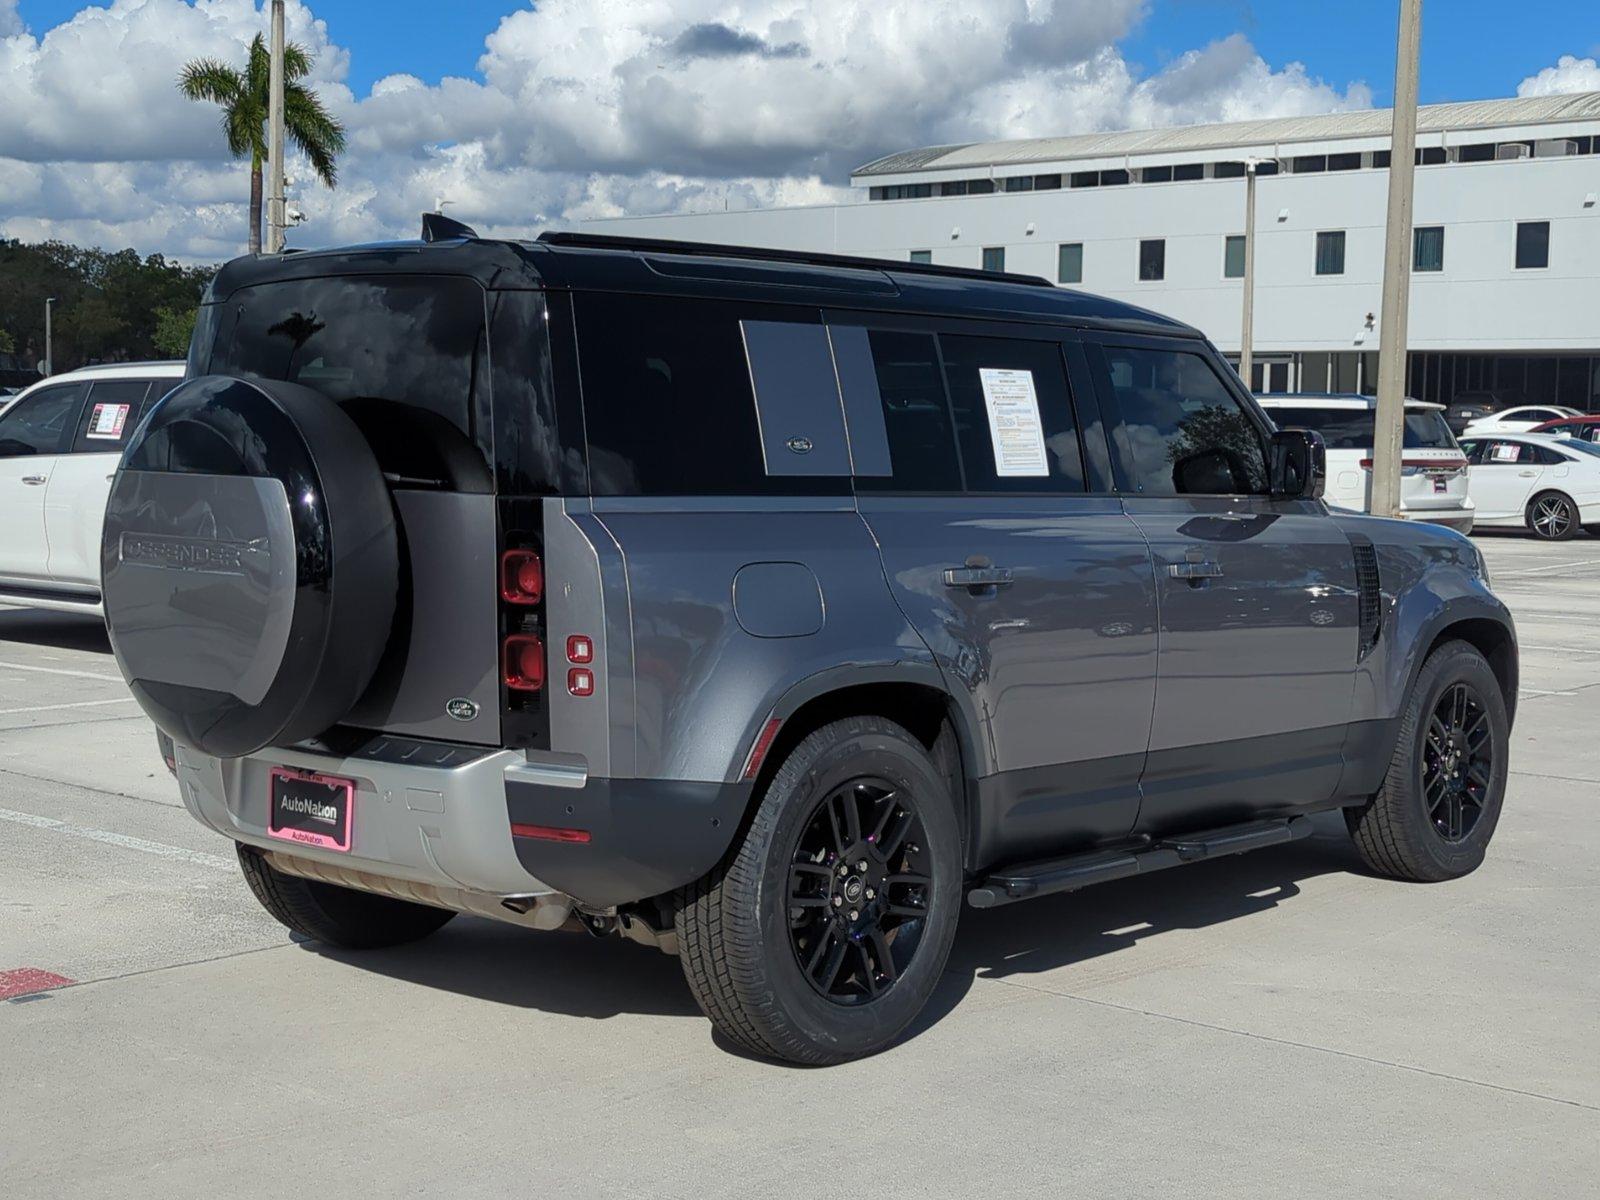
(1527, 474)
(35, 480)
(1194, 572)
(977, 577)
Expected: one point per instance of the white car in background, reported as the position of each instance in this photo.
(1547, 485)
(1520, 420)
(59, 444)
(1433, 470)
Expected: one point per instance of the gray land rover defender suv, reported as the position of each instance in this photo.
(766, 608)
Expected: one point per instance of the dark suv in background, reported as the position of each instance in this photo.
(766, 608)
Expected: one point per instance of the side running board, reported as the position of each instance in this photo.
(1025, 881)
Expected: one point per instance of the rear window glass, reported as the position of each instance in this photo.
(405, 358)
(1013, 415)
(1352, 428)
(667, 400)
(113, 410)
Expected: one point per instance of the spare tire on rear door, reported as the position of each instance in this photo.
(250, 564)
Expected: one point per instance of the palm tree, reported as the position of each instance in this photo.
(244, 100)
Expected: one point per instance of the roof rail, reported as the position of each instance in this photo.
(609, 241)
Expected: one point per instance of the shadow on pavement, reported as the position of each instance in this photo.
(63, 631)
(579, 976)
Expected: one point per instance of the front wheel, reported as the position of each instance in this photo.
(822, 937)
(1437, 809)
(1552, 517)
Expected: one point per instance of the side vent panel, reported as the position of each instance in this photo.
(1370, 605)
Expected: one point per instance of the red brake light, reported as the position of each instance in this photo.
(549, 833)
(521, 577)
(522, 662)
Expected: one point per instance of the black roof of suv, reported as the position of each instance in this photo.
(648, 266)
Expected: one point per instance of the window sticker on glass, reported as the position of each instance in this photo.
(1014, 424)
(108, 421)
(1507, 452)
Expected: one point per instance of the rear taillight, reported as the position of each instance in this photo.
(521, 577)
(522, 662)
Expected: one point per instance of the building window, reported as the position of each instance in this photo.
(994, 258)
(1227, 170)
(1019, 183)
(1156, 175)
(1153, 259)
(1533, 245)
(1344, 162)
(1309, 163)
(1046, 183)
(955, 187)
(1233, 256)
(1069, 262)
(1477, 152)
(1427, 248)
(979, 187)
(1085, 179)
(1113, 178)
(1330, 253)
(922, 256)
(1184, 172)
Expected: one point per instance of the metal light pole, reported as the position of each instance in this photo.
(49, 339)
(275, 187)
(1247, 329)
(1390, 436)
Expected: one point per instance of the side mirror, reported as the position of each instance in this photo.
(1299, 465)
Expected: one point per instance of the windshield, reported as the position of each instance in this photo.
(1352, 428)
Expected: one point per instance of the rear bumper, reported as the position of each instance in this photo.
(448, 827)
(1461, 522)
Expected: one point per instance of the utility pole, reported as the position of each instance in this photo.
(49, 339)
(1389, 436)
(276, 216)
(1247, 328)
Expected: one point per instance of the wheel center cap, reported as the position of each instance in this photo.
(854, 888)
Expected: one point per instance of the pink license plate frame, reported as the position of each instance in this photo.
(337, 834)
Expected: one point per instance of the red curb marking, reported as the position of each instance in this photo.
(24, 981)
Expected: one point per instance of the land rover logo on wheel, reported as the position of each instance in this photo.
(462, 709)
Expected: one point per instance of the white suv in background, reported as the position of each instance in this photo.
(1433, 483)
(60, 441)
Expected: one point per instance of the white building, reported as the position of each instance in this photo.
(1506, 282)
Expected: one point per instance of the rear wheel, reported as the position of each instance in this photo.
(1552, 517)
(824, 934)
(1437, 809)
(337, 916)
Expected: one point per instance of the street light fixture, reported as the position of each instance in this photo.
(275, 175)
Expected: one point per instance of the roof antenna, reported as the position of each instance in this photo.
(436, 227)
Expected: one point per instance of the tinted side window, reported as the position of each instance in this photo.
(667, 399)
(109, 416)
(1013, 414)
(916, 415)
(41, 423)
(1182, 432)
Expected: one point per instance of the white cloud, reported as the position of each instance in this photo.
(1570, 74)
(586, 107)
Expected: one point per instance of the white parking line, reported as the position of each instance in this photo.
(7, 712)
(122, 840)
(11, 666)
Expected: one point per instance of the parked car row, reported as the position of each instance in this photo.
(1536, 467)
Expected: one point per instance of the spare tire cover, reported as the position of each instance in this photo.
(249, 564)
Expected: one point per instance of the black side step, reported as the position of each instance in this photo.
(1024, 881)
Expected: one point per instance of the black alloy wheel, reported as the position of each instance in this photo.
(1457, 762)
(858, 890)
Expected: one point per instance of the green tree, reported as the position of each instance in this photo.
(243, 96)
(8, 344)
(174, 328)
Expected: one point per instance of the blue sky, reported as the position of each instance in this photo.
(1471, 48)
(527, 117)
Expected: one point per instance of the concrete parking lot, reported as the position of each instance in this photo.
(1277, 1023)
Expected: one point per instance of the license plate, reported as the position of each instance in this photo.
(311, 809)
(1441, 485)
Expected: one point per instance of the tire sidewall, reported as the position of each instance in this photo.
(1461, 665)
(820, 765)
